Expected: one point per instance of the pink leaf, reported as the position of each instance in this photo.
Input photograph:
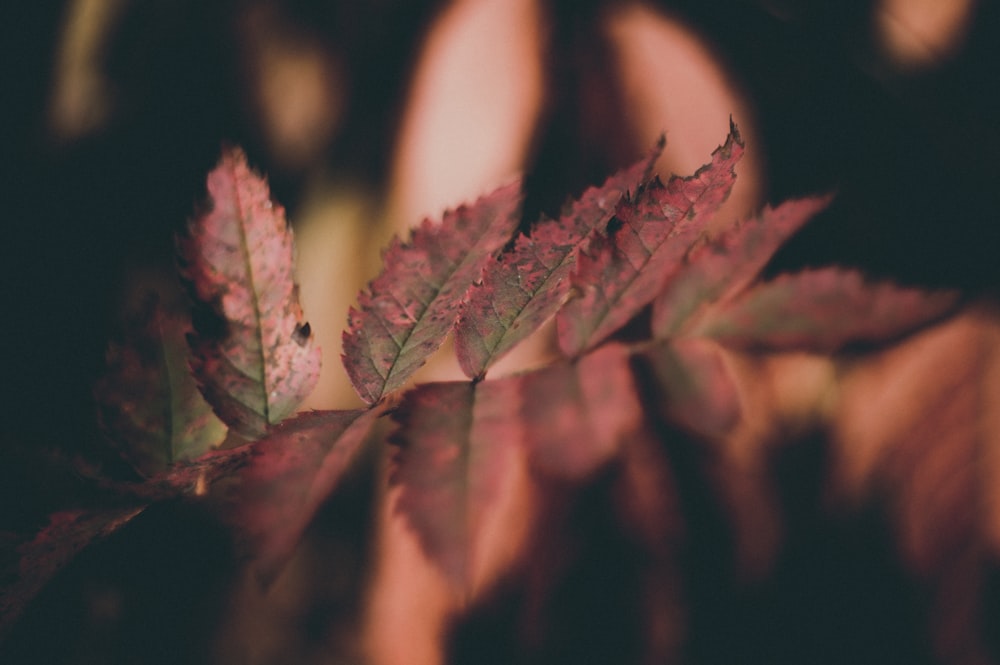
(694, 386)
(720, 267)
(822, 311)
(254, 356)
(577, 414)
(522, 288)
(406, 312)
(455, 439)
(619, 275)
(285, 478)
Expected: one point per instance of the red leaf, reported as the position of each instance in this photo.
(696, 389)
(822, 311)
(719, 268)
(406, 311)
(455, 439)
(524, 287)
(287, 476)
(149, 404)
(71, 531)
(67, 533)
(254, 356)
(618, 276)
(577, 414)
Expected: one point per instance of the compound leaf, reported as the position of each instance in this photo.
(253, 353)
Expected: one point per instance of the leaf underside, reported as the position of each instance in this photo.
(623, 272)
(694, 389)
(524, 287)
(454, 441)
(577, 414)
(286, 477)
(406, 312)
(253, 353)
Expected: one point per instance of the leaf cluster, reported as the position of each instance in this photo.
(641, 300)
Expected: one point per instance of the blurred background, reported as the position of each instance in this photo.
(368, 116)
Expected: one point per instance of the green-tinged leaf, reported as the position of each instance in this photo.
(455, 441)
(253, 353)
(822, 311)
(718, 268)
(524, 287)
(406, 312)
(652, 231)
(148, 403)
(284, 480)
(694, 388)
(576, 414)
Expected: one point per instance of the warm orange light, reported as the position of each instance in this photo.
(917, 33)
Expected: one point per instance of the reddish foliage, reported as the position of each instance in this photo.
(576, 415)
(611, 408)
(524, 287)
(454, 440)
(53, 547)
(253, 355)
(718, 268)
(406, 312)
(822, 311)
(285, 479)
(620, 274)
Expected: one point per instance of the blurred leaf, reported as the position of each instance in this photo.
(454, 441)
(822, 311)
(719, 267)
(284, 480)
(67, 533)
(695, 389)
(917, 428)
(577, 414)
(148, 402)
